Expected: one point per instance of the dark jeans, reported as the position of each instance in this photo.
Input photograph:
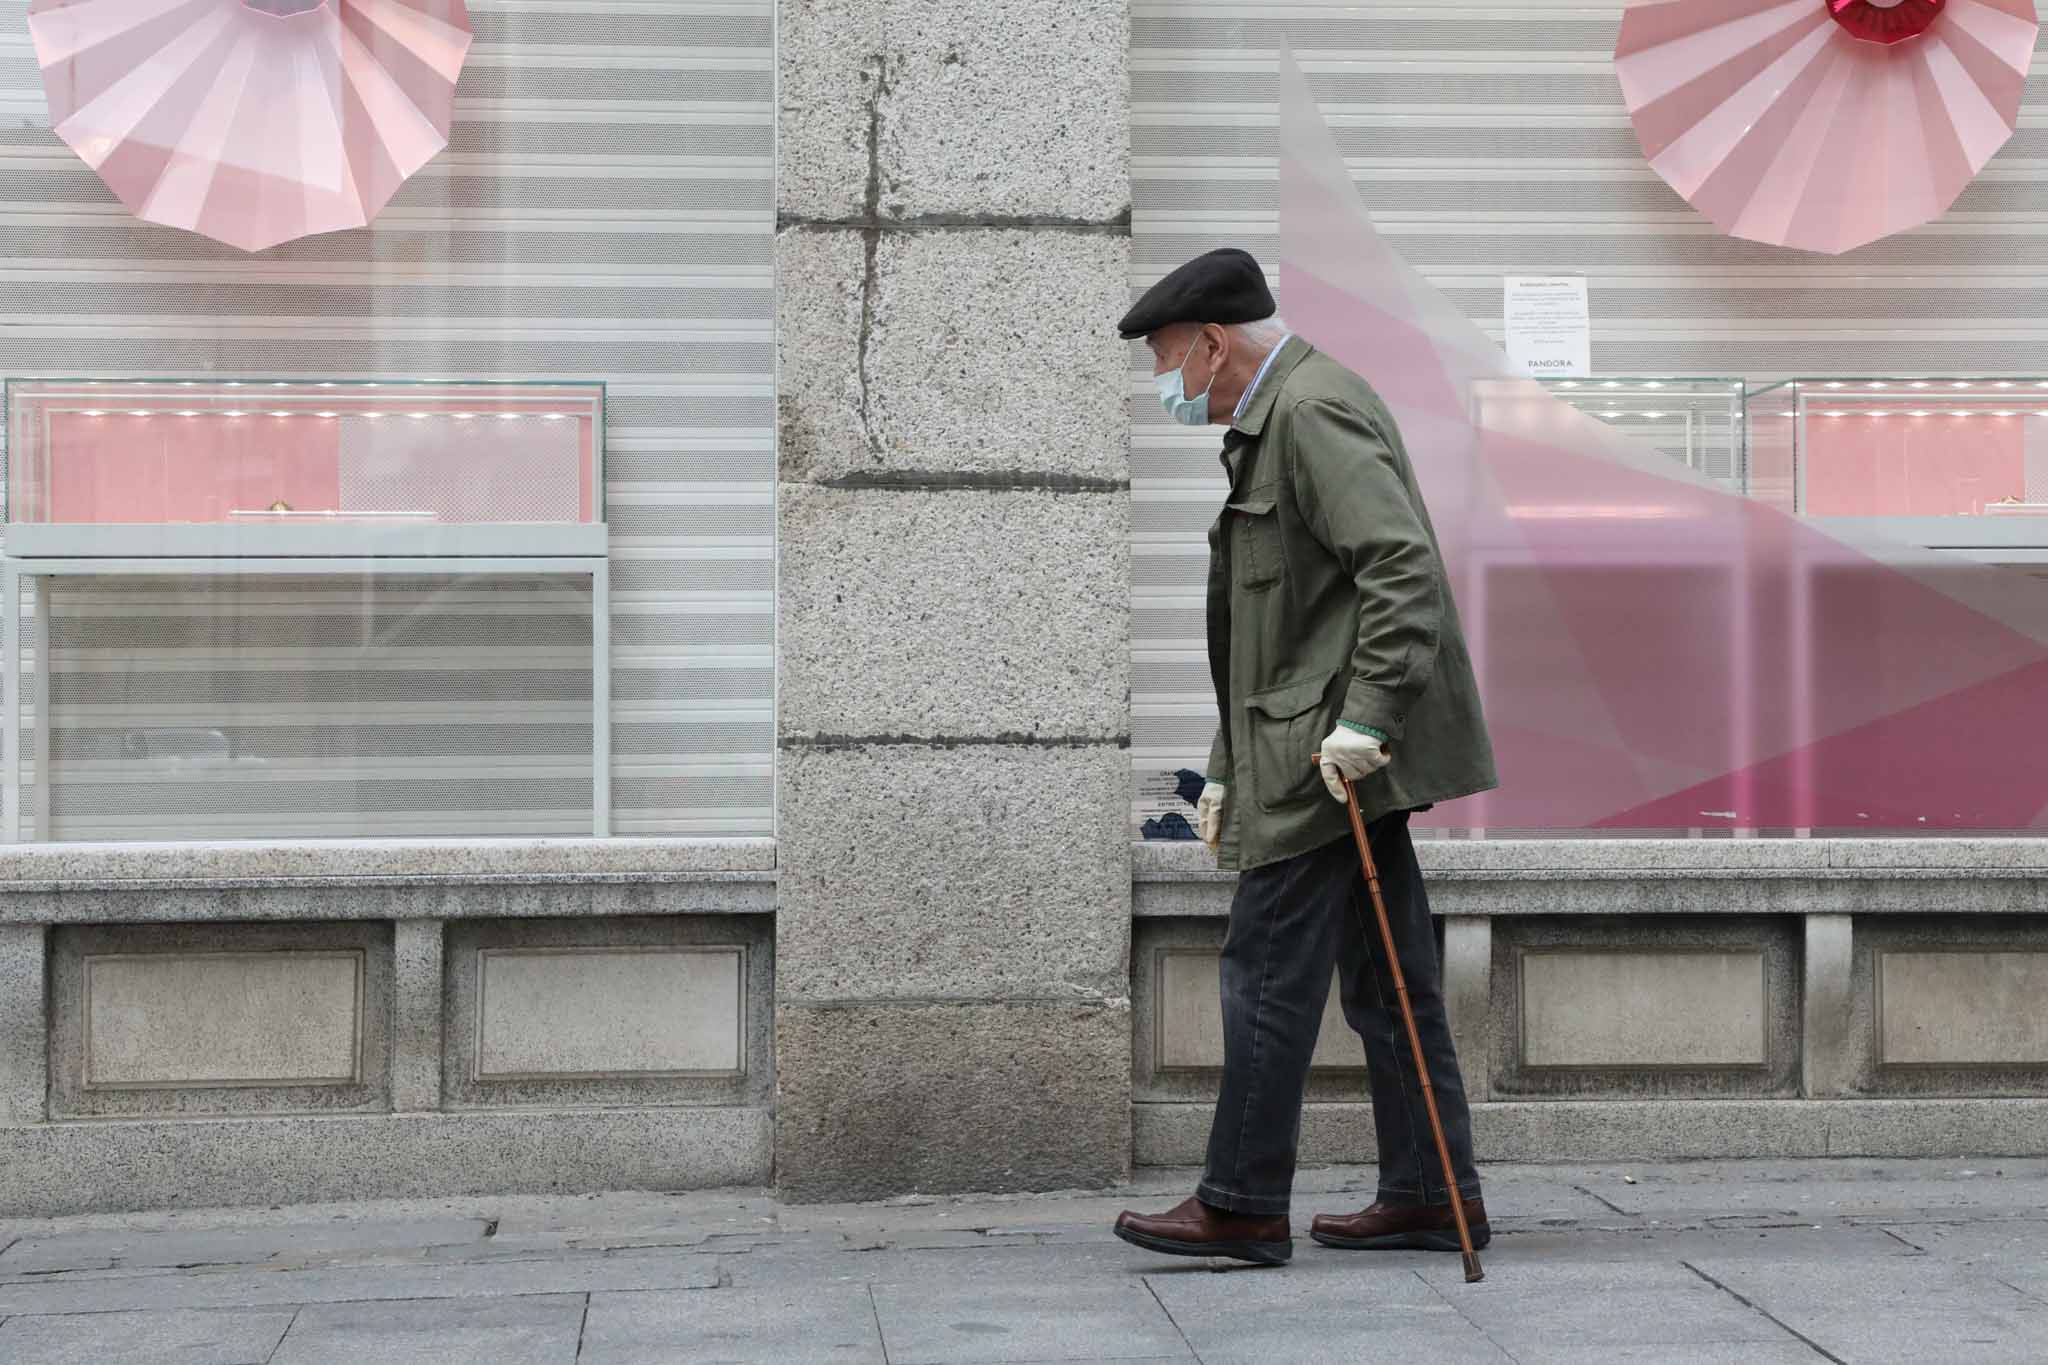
(1289, 922)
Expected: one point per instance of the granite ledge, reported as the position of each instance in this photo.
(313, 899)
(371, 862)
(1598, 1131)
(56, 1170)
(1927, 858)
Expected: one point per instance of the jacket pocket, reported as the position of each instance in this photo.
(1286, 725)
(1255, 541)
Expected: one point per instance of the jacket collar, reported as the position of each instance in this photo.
(1292, 352)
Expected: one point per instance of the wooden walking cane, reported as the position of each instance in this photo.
(1473, 1273)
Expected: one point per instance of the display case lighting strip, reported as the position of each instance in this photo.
(324, 412)
(1924, 412)
(1984, 404)
(1702, 387)
(1935, 383)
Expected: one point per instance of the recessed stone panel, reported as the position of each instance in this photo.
(1962, 1008)
(621, 1011)
(1664, 1007)
(1188, 1027)
(1177, 1020)
(1947, 1006)
(223, 1019)
(1647, 1008)
(192, 1020)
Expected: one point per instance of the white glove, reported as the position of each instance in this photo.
(1209, 815)
(1347, 753)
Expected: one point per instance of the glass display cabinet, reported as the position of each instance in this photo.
(231, 468)
(1698, 422)
(162, 480)
(1948, 464)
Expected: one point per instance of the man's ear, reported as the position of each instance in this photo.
(1219, 336)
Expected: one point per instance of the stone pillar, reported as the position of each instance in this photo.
(1827, 1037)
(24, 1024)
(416, 1029)
(953, 932)
(1468, 999)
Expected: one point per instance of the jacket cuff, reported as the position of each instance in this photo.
(1367, 707)
(1219, 765)
(1381, 736)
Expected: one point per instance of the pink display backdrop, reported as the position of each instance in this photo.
(1655, 651)
(172, 452)
(123, 468)
(1949, 464)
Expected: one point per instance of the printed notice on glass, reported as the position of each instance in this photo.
(1550, 326)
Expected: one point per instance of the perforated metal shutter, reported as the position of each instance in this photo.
(1491, 140)
(604, 211)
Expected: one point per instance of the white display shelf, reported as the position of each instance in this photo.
(303, 538)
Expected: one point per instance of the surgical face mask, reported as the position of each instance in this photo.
(1173, 394)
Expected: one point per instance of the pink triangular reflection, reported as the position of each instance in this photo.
(1655, 649)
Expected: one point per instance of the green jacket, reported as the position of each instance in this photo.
(1328, 602)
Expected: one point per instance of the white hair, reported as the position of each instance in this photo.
(1262, 335)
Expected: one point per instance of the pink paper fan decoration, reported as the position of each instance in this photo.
(252, 121)
(1824, 124)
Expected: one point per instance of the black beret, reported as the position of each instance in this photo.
(1224, 286)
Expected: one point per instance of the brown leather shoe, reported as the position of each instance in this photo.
(1192, 1228)
(1411, 1227)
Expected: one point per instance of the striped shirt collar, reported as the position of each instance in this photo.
(1251, 390)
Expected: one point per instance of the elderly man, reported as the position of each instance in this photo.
(1331, 630)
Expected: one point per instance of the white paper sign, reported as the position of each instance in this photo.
(1163, 793)
(1550, 326)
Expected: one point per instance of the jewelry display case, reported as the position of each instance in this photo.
(160, 482)
(1699, 422)
(224, 468)
(1951, 464)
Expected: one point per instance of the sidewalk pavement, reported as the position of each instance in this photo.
(1753, 1263)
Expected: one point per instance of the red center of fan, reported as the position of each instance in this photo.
(1885, 21)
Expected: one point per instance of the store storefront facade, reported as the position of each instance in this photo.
(673, 657)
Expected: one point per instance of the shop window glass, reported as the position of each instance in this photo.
(304, 538)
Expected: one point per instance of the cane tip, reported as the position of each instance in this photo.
(1473, 1274)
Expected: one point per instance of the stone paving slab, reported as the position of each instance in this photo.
(1526, 1304)
(1339, 1312)
(129, 1248)
(695, 1214)
(1009, 1321)
(170, 1337)
(1764, 1263)
(536, 1330)
(1838, 1244)
(1912, 1310)
(809, 1325)
(1666, 1353)
(259, 1288)
(1889, 1188)
(2010, 1242)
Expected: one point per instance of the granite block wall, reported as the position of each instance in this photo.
(953, 928)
